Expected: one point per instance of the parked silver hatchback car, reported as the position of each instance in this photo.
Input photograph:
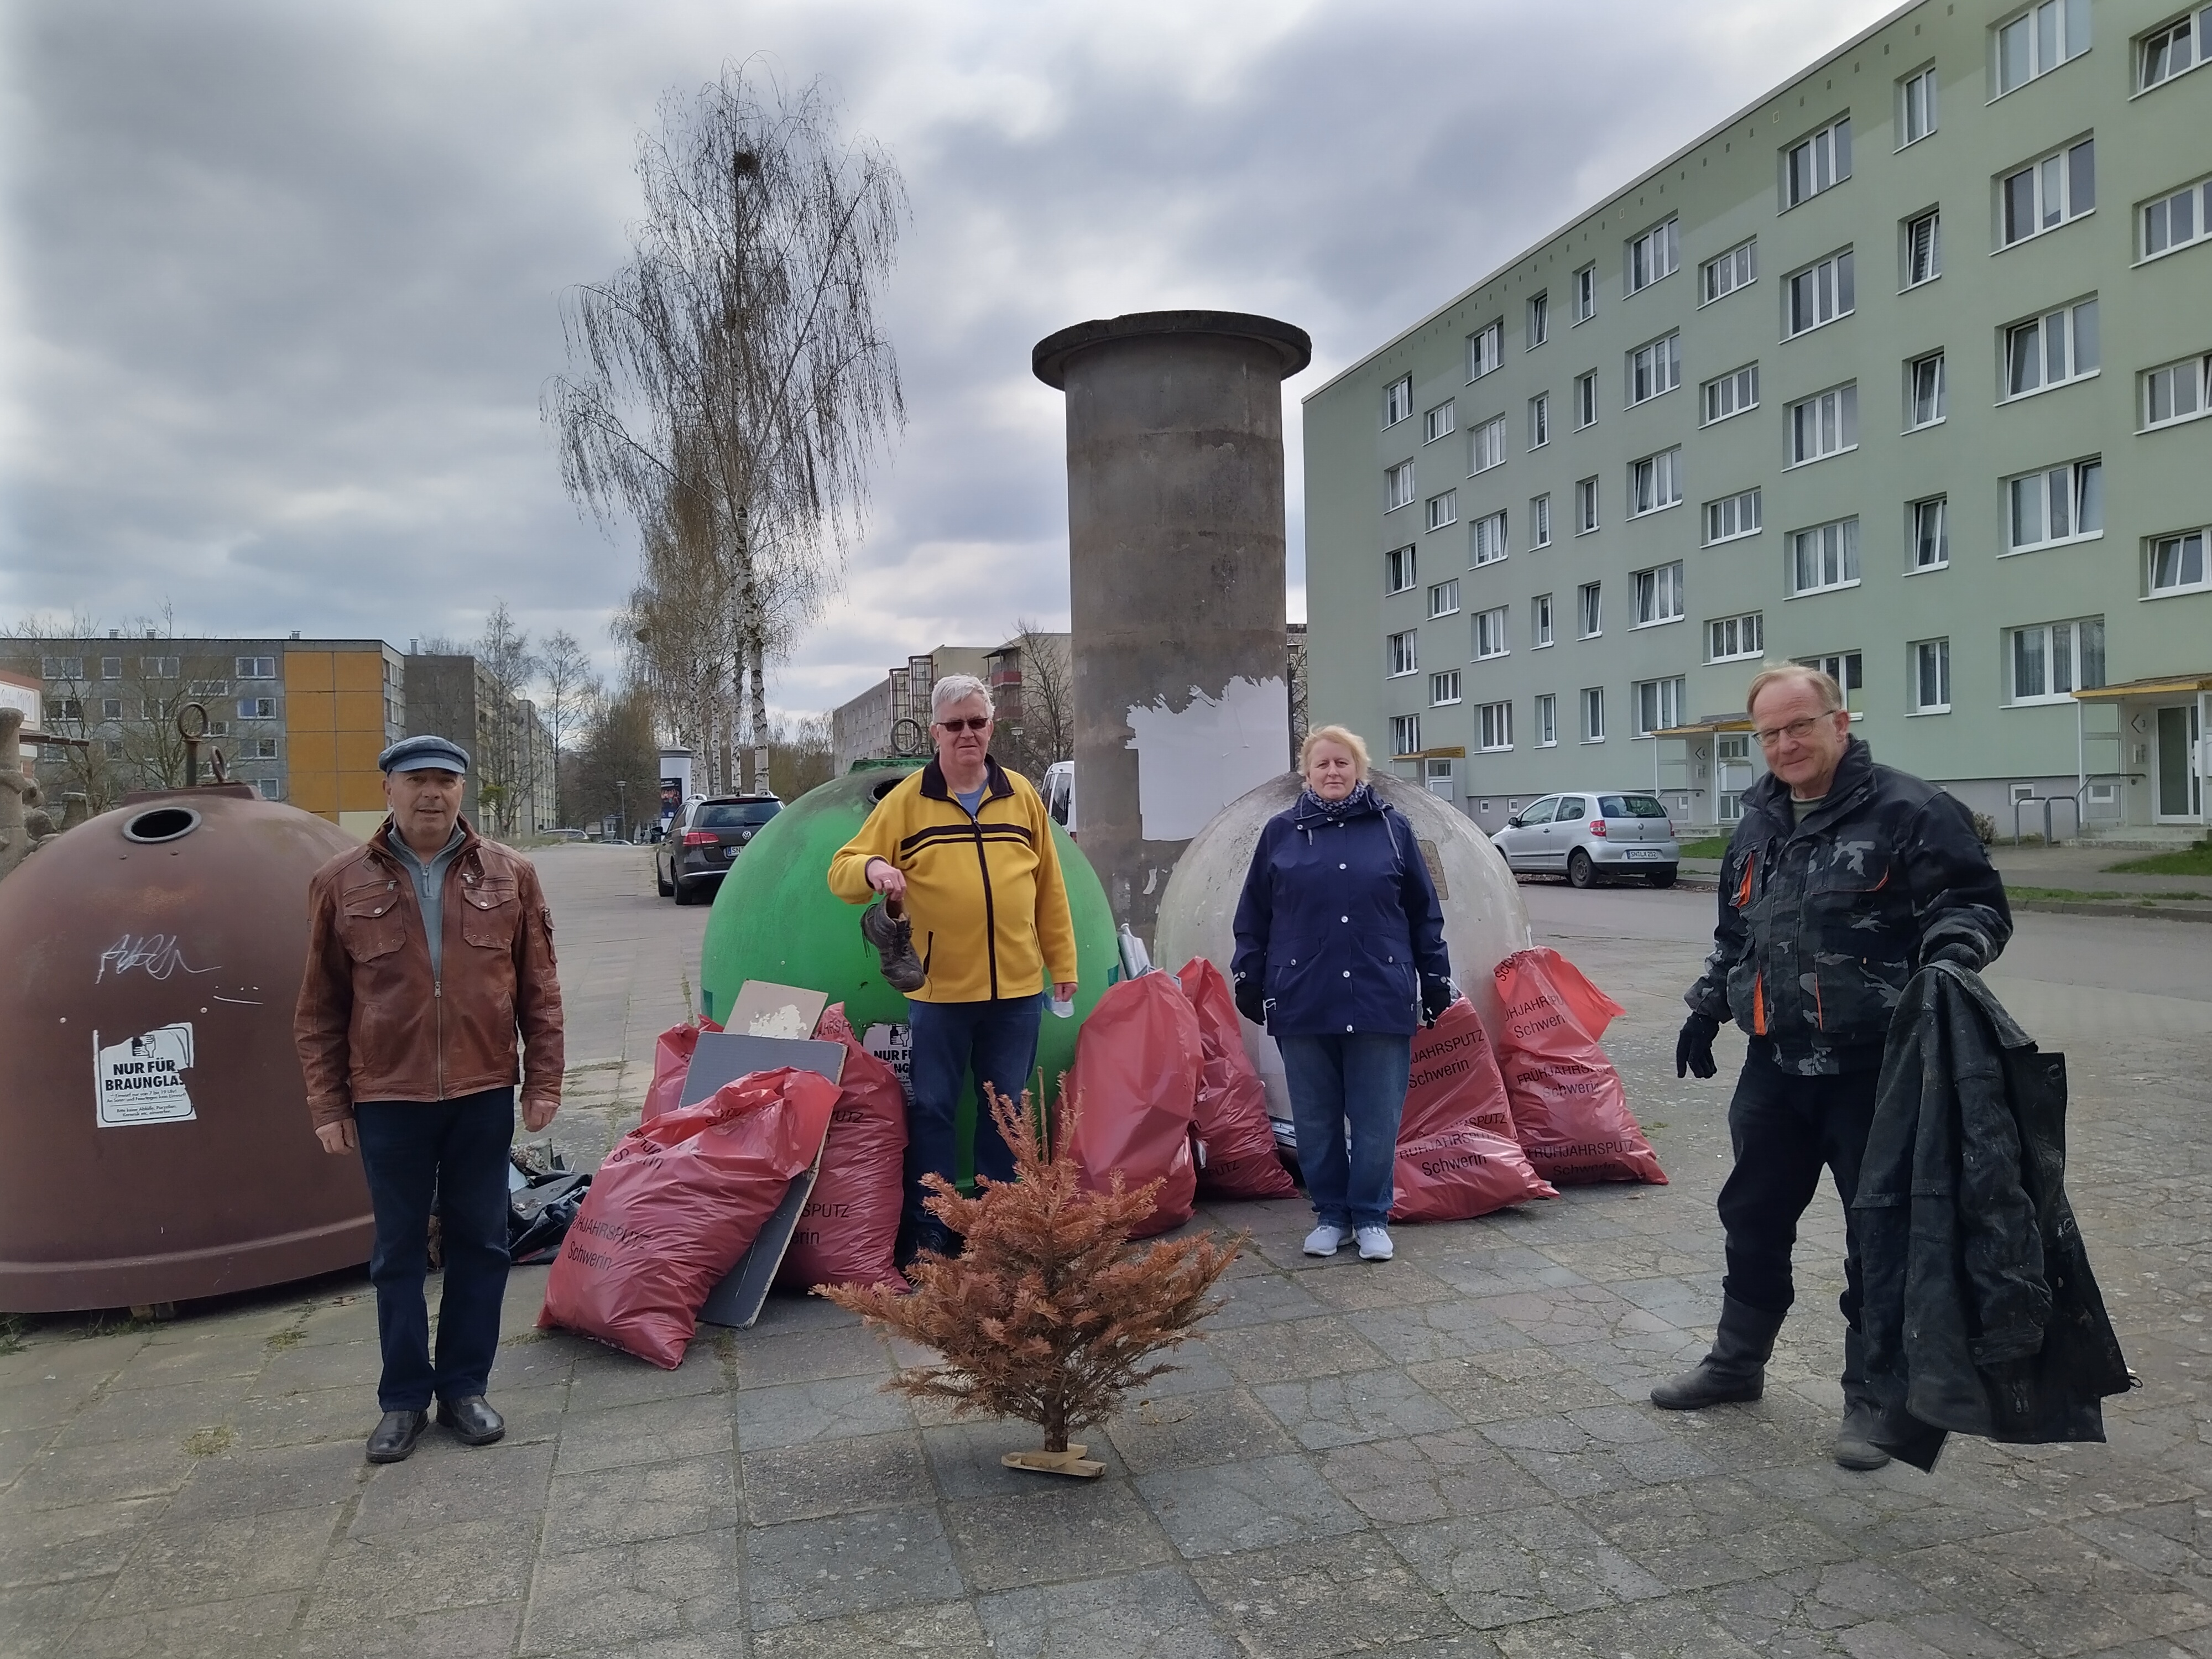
(1592, 837)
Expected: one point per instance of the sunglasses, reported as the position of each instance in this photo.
(973, 723)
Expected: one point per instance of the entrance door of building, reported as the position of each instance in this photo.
(2180, 787)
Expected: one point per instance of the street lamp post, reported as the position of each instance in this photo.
(622, 800)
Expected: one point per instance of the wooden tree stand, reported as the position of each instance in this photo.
(1071, 1462)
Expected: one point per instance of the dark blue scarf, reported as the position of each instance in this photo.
(1361, 800)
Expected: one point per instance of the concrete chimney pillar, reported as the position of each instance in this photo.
(1175, 564)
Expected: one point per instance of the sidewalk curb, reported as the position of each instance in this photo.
(2151, 912)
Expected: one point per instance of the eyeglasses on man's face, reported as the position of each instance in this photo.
(1795, 732)
(972, 723)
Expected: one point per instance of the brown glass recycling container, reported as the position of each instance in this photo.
(154, 1141)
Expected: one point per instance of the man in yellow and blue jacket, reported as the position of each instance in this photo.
(964, 848)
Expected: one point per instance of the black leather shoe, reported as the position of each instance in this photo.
(472, 1420)
(395, 1435)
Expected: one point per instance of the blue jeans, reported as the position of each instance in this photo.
(1358, 1078)
(457, 1151)
(998, 1039)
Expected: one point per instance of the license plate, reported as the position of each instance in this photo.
(1644, 853)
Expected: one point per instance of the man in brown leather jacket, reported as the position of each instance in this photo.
(428, 947)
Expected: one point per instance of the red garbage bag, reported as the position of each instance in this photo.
(1135, 1080)
(671, 1064)
(1455, 1081)
(1462, 1173)
(675, 1205)
(849, 1229)
(1568, 1108)
(1237, 1142)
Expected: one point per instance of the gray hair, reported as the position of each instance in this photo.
(956, 688)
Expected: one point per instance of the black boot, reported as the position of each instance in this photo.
(1855, 1442)
(1735, 1370)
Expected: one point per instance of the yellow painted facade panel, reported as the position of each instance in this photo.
(306, 671)
(360, 671)
(360, 791)
(358, 752)
(312, 751)
(360, 711)
(310, 711)
(316, 792)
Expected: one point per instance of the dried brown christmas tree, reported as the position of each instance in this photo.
(1048, 1315)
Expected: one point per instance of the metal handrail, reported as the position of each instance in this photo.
(2046, 802)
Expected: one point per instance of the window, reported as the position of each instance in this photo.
(1585, 400)
(1496, 720)
(1916, 106)
(1405, 734)
(257, 668)
(1585, 506)
(1539, 420)
(66, 708)
(1824, 556)
(1486, 349)
(1653, 255)
(208, 689)
(1931, 676)
(1931, 541)
(1539, 319)
(1592, 703)
(1658, 594)
(1443, 689)
(2176, 391)
(2047, 192)
(2052, 349)
(161, 668)
(2177, 563)
(1443, 509)
(1728, 638)
(2177, 219)
(1437, 773)
(2059, 504)
(1654, 482)
(1588, 613)
(1732, 516)
(1585, 294)
(1923, 239)
(1437, 423)
(1724, 273)
(1824, 424)
(1819, 294)
(1846, 668)
(1818, 163)
(1654, 369)
(61, 668)
(111, 668)
(111, 709)
(2038, 40)
(256, 708)
(1923, 391)
(1486, 445)
(1398, 567)
(1539, 521)
(1443, 599)
(258, 749)
(1486, 541)
(1730, 393)
(1490, 633)
(1405, 652)
(2165, 52)
(1546, 709)
(2051, 661)
(1398, 400)
(1540, 622)
(1658, 705)
(270, 788)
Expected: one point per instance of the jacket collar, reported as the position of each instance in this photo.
(1364, 801)
(1854, 777)
(996, 784)
(380, 842)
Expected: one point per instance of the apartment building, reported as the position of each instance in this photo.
(1904, 371)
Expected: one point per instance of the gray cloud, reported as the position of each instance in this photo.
(281, 281)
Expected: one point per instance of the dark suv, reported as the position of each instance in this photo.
(691, 861)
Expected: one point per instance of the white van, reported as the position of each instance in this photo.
(1060, 794)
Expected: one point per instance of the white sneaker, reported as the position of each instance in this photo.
(1323, 1241)
(1375, 1244)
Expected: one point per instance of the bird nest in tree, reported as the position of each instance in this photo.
(1048, 1315)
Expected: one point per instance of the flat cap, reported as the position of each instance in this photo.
(419, 754)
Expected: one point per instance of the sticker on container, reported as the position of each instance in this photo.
(140, 1081)
(894, 1046)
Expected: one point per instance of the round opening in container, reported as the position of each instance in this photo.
(161, 824)
(886, 787)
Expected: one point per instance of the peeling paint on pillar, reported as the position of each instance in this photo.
(1176, 566)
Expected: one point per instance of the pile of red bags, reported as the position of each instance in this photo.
(1457, 1156)
(1235, 1142)
(671, 1064)
(1135, 1080)
(676, 1203)
(848, 1231)
(1570, 1110)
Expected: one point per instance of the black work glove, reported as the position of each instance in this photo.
(1438, 994)
(1959, 950)
(1693, 1049)
(1249, 1001)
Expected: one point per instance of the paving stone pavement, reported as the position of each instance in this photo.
(1448, 1455)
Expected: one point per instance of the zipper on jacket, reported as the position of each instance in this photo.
(990, 908)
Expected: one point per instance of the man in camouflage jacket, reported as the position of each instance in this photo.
(1843, 878)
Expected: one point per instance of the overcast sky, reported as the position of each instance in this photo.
(281, 279)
